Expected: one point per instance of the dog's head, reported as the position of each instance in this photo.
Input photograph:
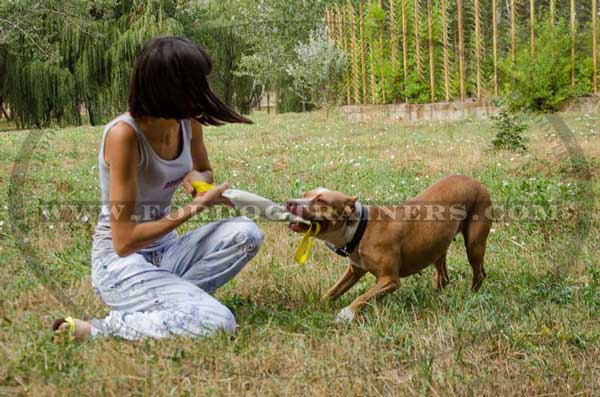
(329, 208)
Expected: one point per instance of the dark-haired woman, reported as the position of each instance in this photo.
(159, 284)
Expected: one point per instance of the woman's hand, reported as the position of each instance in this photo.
(192, 176)
(210, 198)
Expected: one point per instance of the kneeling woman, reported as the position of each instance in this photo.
(157, 283)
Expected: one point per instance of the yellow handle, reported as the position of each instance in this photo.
(201, 186)
(307, 242)
(71, 332)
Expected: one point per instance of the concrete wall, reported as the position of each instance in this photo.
(443, 111)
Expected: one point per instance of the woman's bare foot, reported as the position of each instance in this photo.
(72, 329)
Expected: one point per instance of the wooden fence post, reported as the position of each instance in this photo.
(393, 35)
(404, 41)
(573, 32)
(495, 46)
(513, 39)
(337, 19)
(354, 52)
(461, 50)
(328, 22)
(477, 50)
(349, 67)
(431, 60)
(445, 49)
(382, 59)
(417, 41)
(595, 45)
(532, 26)
(372, 63)
(363, 66)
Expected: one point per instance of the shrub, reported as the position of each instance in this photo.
(509, 129)
(542, 81)
(318, 67)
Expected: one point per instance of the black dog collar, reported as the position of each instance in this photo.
(358, 235)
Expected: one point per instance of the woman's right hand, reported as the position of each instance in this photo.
(210, 198)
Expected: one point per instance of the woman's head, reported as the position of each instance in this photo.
(170, 81)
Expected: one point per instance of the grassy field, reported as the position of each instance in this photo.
(528, 331)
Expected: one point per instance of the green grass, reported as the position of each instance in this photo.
(527, 330)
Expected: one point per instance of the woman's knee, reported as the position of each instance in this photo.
(247, 233)
(227, 322)
(215, 318)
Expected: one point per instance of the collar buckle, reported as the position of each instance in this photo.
(342, 251)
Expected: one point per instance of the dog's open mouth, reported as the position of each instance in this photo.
(298, 209)
(299, 227)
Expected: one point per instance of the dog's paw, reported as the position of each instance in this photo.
(346, 315)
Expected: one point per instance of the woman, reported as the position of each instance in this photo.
(156, 283)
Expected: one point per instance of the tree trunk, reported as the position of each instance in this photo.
(2, 110)
(268, 102)
(90, 111)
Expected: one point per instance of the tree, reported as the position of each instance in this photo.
(273, 28)
(216, 25)
(78, 54)
(319, 65)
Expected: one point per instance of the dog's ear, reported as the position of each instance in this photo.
(316, 198)
(350, 205)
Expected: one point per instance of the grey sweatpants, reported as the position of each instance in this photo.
(168, 291)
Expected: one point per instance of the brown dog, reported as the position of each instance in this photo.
(397, 241)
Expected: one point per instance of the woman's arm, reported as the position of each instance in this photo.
(202, 170)
(121, 152)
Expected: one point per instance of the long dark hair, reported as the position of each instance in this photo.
(170, 81)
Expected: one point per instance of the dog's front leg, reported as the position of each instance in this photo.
(384, 285)
(348, 279)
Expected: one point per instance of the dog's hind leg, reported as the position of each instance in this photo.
(441, 278)
(476, 232)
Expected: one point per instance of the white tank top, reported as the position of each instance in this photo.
(157, 180)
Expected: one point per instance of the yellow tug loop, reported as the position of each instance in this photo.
(307, 242)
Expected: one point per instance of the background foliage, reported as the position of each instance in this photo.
(430, 50)
(68, 62)
(73, 64)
